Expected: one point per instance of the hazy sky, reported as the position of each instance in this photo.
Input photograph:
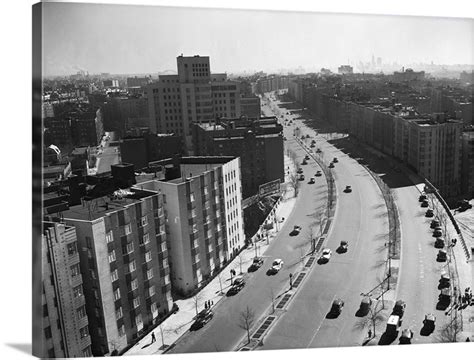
(147, 39)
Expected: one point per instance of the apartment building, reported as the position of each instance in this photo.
(64, 317)
(250, 106)
(258, 143)
(467, 165)
(434, 151)
(203, 218)
(123, 253)
(191, 96)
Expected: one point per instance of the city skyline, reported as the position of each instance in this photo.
(115, 45)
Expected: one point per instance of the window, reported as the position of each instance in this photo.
(191, 196)
(163, 246)
(132, 266)
(128, 229)
(154, 310)
(117, 294)
(121, 330)
(167, 279)
(114, 275)
(151, 291)
(72, 248)
(148, 256)
(149, 274)
(134, 284)
(109, 237)
(51, 353)
(165, 263)
(144, 220)
(83, 332)
(47, 332)
(136, 303)
(87, 352)
(139, 322)
(146, 239)
(118, 313)
(75, 270)
(129, 248)
(112, 257)
(81, 312)
(78, 291)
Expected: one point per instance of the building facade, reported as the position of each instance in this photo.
(258, 143)
(65, 322)
(203, 218)
(123, 253)
(250, 106)
(467, 166)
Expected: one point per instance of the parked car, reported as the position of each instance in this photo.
(437, 232)
(202, 318)
(306, 157)
(331, 165)
(312, 146)
(406, 337)
(319, 150)
(256, 263)
(318, 173)
(301, 177)
(335, 160)
(304, 162)
(300, 171)
(444, 281)
(439, 243)
(393, 324)
(312, 181)
(348, 189)
(429, 213)
(365, 305)
(442, 256)
(434, 223)
(277, 265)
(336, 306)
(429, 323)
(237, 285)
(422, 197)
(424, 203)
(399, 308)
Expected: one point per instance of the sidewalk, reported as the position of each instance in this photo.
(171, 329)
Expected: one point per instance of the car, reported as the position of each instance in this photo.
(437, 232)
(393, 324)
(429, 324)
(256, 263)
(343, 246)
(424, 203)
(336, 306)
(434, 224)
(318, 150)
(301, 177)
(313, 141)
(312, 145)
(300, 171)
(399, 308)
(365, 305)
(444, 281)
(312, 180)
(277, 265)
(406, 337)
(444, 299)
(331, 165)
(439, 243)
(306, 157)
(302, 137)
(335, 160)
(284, 138)
(348, 189)
(296, 230)
(304, 162)
(307, 136)
(237, 284)
(422, 197)
(429, 213)
(202, 318)
(442, 256)
(318, 173)
(326, 255)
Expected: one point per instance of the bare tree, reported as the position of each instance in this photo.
(294, 183)
(240, 263)
(219, 276)
(246, 320)
(451, 331)
(197, 299)
(272, 296)
(373, 319)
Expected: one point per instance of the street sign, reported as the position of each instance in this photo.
(269, 188)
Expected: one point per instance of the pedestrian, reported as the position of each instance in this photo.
(461, 300)
(370, 334)
(153, 338)
(212, 302)
(205, 305)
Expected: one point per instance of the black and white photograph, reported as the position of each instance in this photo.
(209, 179)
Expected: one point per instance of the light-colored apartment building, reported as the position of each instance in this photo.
(193, 95)
(204, 219)
(64, 317)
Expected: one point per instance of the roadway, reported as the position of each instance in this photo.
(360, 219)
(222, 333)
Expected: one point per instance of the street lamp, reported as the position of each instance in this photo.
(291, 281)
